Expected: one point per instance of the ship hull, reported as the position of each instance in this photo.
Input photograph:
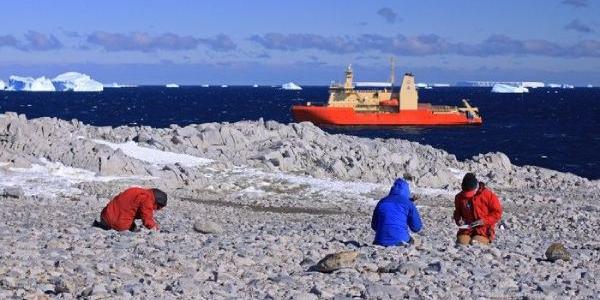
(346, 116)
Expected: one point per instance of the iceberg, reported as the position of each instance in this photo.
(567, 86)
(172, 85)
(2, 85)
(70, 81)
(588, 86)
(423, 85)
(291, 86)
(533, 84)
(115, 85)
(205, 85)
(30, 84)
(554, 85)
(506, 88)
(372, 84)
(526, 84)
(441, 85)
(255, 85)
(76, 82)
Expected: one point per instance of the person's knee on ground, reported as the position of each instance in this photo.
(463, 239)
(479, 239)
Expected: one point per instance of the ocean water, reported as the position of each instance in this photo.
(554, 128)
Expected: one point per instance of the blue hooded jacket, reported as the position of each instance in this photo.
(394, 215)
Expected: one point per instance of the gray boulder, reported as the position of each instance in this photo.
(13, 192)
(557, 251)
(207, 227)
(336, 261)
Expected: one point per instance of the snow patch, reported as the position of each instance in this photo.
(155, 156)
(51, 179)
(458, 174)
(315, 184)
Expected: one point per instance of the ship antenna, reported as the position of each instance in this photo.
(393, 72)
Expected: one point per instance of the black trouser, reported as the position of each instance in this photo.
(105, 226)
(101, 225)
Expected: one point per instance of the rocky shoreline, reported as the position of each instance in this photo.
(278, 198)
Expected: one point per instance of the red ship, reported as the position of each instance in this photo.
(376, 104)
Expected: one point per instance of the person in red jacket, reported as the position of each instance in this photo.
(133, 203)
(476, 210)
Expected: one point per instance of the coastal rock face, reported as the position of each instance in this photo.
(300, 148)
(282, 198)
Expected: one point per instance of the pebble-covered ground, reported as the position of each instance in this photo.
(233, 231)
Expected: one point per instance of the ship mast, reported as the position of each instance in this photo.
(392, 73)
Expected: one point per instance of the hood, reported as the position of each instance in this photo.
(400, 189)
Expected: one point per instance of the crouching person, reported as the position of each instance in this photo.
(476, 210)
(133, 203)
(394, 215)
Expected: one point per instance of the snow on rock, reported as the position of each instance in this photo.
(155, 156)
(172, 85)
(76, 82)
(291, 86)
(506, 88)
(50, 178)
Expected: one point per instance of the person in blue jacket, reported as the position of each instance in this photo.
(394, 215)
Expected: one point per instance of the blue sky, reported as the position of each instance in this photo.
(270, 42)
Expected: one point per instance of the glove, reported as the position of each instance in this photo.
(415, 197)
(477, 223)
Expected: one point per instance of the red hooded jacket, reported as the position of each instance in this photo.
(481, 204)
(131, 204)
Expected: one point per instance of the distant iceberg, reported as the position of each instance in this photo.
(590, 86)
(172, 85)
(30, 84)
(554, 85)
(70, 81)
(205, 85)
(567, 86)
(291, 86)
(372, 84)
(224, 85)
(2, 85)
(441, 85)
(533, 84)
(76, 82)
(505, 88)
(526, 84)
(115, 85)
(255, 85)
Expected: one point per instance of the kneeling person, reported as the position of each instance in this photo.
(133, 203)
(394, 215)
(476, 210)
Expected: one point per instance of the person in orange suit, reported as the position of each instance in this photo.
(476, 210)
(133, 203)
